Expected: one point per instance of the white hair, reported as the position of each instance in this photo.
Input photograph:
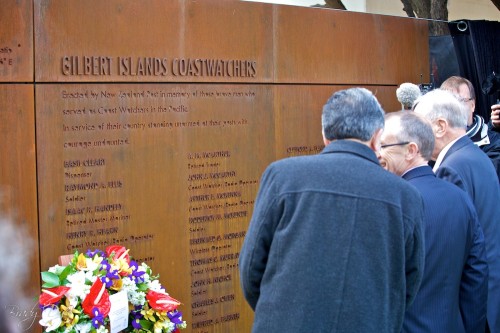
(440, 103)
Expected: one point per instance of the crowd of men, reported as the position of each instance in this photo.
(393, 227)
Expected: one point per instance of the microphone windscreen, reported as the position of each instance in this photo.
(407, 93)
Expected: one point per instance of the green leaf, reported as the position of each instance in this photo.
(146, 324)
(65, 273)
(51, 280)
(142, 287)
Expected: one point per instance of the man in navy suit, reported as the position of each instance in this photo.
(461, 162)
(454, 289)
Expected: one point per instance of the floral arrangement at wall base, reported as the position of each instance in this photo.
(106, 291)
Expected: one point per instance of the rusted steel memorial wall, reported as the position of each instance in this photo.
(149, 123)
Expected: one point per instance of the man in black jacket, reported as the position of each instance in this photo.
(480, 132)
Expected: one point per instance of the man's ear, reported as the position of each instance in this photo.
(374, 142)
(440, 127)
(325, 140)
(412, 151)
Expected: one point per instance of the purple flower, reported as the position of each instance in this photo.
(175, 317)
(54, 305)
(107, 281)
(136, 275)
(105, 266)
(136, 320)
(136, 324)
(98, 319)
(110, 276)
(113, 274)
(91, 254)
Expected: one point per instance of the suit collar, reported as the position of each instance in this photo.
(450, 148)
(421, 171)
(351, 147)
(459, 144)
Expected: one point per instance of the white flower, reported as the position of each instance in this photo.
(83, 327)
(78, 286)
(102, 329)
(73, 301)
(136, 298)
(56, 269)
(51, 318)
(128, 284)
(144, 268)
(91, 264)
(156, 286)
(90, 276)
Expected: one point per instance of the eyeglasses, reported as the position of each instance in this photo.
(394, 144)
(464, 99)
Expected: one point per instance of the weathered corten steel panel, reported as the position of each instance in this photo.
(167, 170)
(128, 40)
(191, 41)
(18, 199)
(298, 111)
(335, 46)
(16, 41)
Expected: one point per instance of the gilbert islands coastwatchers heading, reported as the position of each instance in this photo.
(154, 66)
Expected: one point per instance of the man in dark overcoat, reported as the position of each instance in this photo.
(335, 241)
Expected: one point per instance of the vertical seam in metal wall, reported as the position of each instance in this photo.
(37, 202)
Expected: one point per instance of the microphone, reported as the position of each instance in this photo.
(407, 93)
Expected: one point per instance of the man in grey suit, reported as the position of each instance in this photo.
(454, 290)
(335, 241)
(461, 162)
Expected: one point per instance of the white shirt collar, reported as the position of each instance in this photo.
(443, 152)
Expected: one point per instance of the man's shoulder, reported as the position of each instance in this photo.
(462, 150)
(407, 191)
(439, 189)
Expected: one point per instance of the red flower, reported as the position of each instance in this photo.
(161, 302)
(97, 298)
(52, 295)
(120, 252)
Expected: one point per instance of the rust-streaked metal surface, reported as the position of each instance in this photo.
(16, 41)
(298, 111)
(336, 46)
(201, 41)
(18, 198)
(183, 41)
(168, 170)
(171, 172)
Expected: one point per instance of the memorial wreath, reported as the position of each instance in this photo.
(83, 297)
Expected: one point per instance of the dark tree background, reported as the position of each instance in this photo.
(428, 9)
